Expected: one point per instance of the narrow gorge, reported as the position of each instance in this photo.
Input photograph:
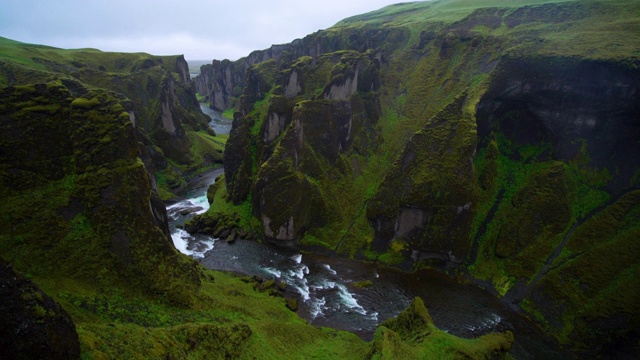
(434, 179)
(499, 145)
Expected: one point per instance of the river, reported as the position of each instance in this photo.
(218, 123)
(352, 295)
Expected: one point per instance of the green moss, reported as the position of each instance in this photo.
(228, 113)
(227, 319)
(85, 103)
(514, 184)
(595, 287)
(310, 240)
(588, 184)
(222, 207)
(391, 258)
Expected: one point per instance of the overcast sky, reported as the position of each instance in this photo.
(201, 30)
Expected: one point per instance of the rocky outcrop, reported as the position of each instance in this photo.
(572, 105)
(407, 337)
(557, 156)
(426, 199)
(33, 325)
(78, 159)
(157, 94)
(220, 82)
(297, 139)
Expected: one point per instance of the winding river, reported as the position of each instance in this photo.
(351, 295)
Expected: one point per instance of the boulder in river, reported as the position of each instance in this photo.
(187, 211)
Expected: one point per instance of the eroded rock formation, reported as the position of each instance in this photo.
(484, 149)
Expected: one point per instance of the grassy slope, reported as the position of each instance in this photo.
(227, 318)
(230, 318)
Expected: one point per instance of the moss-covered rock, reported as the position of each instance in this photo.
(238, 161)
(590, 295)
(412, 335)
(155, 95)
(97, 216)
(545, 168)
(33, 325)
(427, 198)
(283, 144)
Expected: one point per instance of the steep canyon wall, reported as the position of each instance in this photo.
(485, 144)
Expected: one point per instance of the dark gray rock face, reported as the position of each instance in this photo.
(569, 104)
(32, 324)
(221, 81)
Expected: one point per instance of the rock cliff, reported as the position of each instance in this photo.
(496, 142)
(90, 142)
(156, 92)
(87, 140)
(74, 163)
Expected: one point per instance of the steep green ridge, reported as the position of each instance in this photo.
(83, 137)
(493, 140)
(156, 92)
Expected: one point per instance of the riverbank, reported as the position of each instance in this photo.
(357, 296)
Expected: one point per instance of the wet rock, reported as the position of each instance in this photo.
(363, 284)
(267, 285)
(224, 234)
(291, 304)
(232, 237)
(282, 286)
(190, 210)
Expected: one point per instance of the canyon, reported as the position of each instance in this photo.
(495, 144)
